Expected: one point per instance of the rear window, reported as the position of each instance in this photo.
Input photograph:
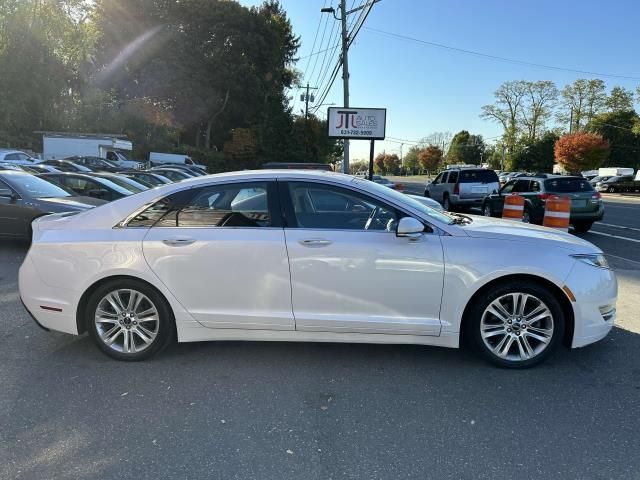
(568, 185)
(478, 176)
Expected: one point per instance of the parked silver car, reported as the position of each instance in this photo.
(462, 187)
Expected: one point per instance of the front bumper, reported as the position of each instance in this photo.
(596, 292)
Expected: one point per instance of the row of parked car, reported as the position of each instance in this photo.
(71, 185)
(467, 187)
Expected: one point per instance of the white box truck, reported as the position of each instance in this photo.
(615, 171)
(158, 158)
(114, 148)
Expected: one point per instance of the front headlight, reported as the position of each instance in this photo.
(594, 259)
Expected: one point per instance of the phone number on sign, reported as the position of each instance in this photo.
(357, 133)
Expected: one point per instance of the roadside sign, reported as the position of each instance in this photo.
(357, 123)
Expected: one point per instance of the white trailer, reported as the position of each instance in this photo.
(158, 158)
(114, 148)
(615, 171)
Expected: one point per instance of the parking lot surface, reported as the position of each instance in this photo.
(242, 410)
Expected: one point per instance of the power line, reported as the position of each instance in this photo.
(497, 57)
(315, 63)
(315, 38)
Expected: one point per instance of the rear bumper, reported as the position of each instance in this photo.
(588, 216)
(473, 201)
(52, 308)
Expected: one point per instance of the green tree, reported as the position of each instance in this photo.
(466, 149)
(536, 156)
(622, 130)
(581, 100)
(506, 110)
(619, 100)
(410, 159)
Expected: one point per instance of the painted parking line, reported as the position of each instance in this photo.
(618, 226)
(622, 258)
(635, 240)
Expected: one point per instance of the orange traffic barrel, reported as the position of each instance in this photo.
(513, 207)
(557, 212)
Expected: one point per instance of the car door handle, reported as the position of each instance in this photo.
(178, 241)
(314, 242)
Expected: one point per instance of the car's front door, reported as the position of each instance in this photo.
(497, 200)
(220, 250)
(437, 187)
(350, 273)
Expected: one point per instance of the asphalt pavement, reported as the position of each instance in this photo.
(243, 410)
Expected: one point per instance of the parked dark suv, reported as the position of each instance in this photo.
(586, 203)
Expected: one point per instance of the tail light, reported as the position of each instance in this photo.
(596, 198)
(543, 196)
(456, 189)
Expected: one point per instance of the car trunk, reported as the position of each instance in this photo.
(584, 199)
(476, 184)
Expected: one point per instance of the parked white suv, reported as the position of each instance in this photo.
(462, 187)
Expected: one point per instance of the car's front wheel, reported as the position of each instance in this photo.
(611, 189)
(427, 194)
(486, 210)
(516, 325)
(129, 320)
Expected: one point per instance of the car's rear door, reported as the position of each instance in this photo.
(350, 273)
(220, 250)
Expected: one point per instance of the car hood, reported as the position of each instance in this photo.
(75, 203)
(498, 229)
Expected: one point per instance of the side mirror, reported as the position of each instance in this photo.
(7, 193)
(409, 227)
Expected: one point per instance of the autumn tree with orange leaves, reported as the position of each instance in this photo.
(581, 151)
(430, 158)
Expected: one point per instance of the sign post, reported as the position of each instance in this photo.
(358, 124)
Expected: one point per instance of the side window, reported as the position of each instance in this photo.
(22, 156)
(508, 188)
(521, 186)
(535, 186)
(229, 205)
(112, 156)
(453, 177)
(317, 205)
(11, 156)
(444, 177)
(438, 179)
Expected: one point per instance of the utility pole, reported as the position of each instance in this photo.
(306, 97)
(345, 77)
(345, 58)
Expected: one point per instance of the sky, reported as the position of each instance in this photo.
(428, 89)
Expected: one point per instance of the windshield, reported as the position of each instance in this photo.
(405, 199)
(127, 183)
(35, 187)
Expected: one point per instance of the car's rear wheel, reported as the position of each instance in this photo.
(611, 190)
(526, 216)
(582, 227)
(427, 194)
(516, 325)
(129, 320)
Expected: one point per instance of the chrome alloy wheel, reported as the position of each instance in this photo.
(127, 321)
(517, 326)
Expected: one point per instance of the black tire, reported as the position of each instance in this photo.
(526, 215)
(446, 203)
(166, 322)
(427, 194)
(582, 227)
(473, 324)
(486, 210)
(611, 190)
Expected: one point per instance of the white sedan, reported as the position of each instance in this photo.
(310, 256)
